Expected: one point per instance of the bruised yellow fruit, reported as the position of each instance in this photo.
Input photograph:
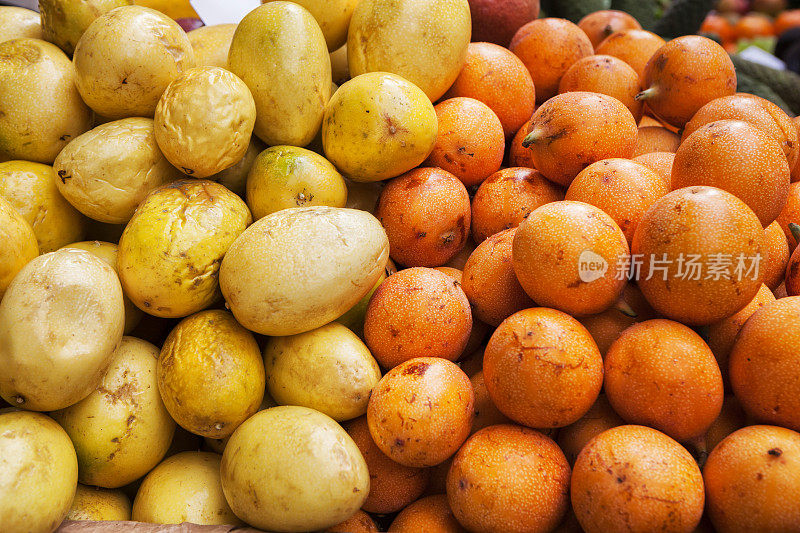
(333, 17)
(279, 51)
(424, 41)
(378, 126)
(42, 110)
(287, 176)
(184, 488)
(18, 22)
(93, 503)
(38, 472)
(106, 172)
(211, 44)
(202, 140)
(18, 244)
(64, 21)
(121, 430)
(171, 250)
(210, 374)
(126, 58)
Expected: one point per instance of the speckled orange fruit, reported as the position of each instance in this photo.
(796, 169)
(791, 282)
(431, 515)
(511, 479)
(753, 481)
(634, 478)
(392, 486)
(658, 162)
(622, 188)
(479, 328)
(684, 75)
(542, 368)
(490, 283)
(661, 374)
(739, 158)
(518, 155)
(656, 139)
(730, 419)
(507, 197)
(765, 364)
(470, 143)
(600, 24)
(605, 75)
(486, 412)
(757, 112)
(695, 254)
(499, 79)
(606, 327)
(421, 411)
(566, 256)
(790, 213)
(776, 255)
(426, 214)
(360, 522)
(721, 335)
(417, 311)
(575, 436)
(635, 47)
(548, 47)
(460, 259)
(573, 130)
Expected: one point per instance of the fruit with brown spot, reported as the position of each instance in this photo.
(605, 75)
(601, 24)
(635, 47)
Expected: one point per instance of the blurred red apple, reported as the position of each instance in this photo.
(496, 21)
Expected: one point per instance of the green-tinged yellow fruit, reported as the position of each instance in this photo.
(108, 252)
(18, 22)
(328, 369)
(202, 140)
(93, 503)
(42, 110)
(287, 176)
(378, 126)
(280, 53)
(300, 268)
(127, 58)
(31, 189)
(184, 488)
(424, 41)
(18, 244)
(121, 430)
(354, 318)
(293, 469)
(211, 44)
(60, 321)
(106, 172)
(210, 374)
(171, 250)
(38, 473)
(64, 21)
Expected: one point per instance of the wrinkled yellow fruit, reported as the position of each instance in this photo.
(18, 244)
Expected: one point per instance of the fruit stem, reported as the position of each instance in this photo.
(624, 307)
(700, 449)
(795, 229)
(646, 94)
(531, 138)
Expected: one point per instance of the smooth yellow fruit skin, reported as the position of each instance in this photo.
(18, 22)
(211, 44)
(280, 53)
(177, 9)
(38, 473)
(18, 244)
(210, 374)
(293, 469)
(171, 250)
(333, 17)
(93, 503)
(378, 126)
(424, 41)
(64, 21)
(287, 176)
(122, 429)
(42, 110)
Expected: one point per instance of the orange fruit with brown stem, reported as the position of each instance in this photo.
(518, 155)
(507, 197)
(605, 75)
(737, 157)
(601, 24)
(470, 143)
(567, 255)
(790, 213)
(661, 374)
(573, 130)
(635, 47)
(517, 473)
(548, 47)
(635, 478)
(696, 255)
(752, 480)
(499, 79)
(542, 368)
(676, 79)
